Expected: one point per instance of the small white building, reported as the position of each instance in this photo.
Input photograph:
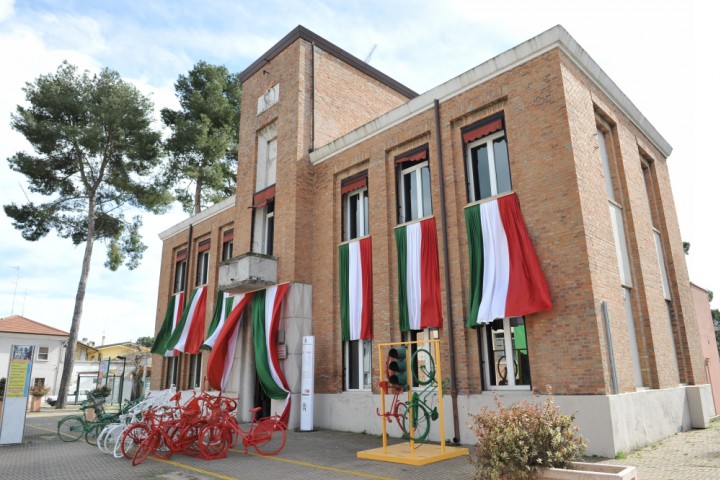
(49, 346)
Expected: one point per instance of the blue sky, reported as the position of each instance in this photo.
(660, 53)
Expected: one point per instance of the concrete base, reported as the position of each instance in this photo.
(420, 455)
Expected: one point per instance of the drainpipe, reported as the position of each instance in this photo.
(611, 352)
(448, 290)
(312, 98)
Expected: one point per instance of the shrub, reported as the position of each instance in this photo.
(516, 442)
(39, 390)
(100, 392)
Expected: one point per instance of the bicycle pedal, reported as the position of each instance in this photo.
(434, 415)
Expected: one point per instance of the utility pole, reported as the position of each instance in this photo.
(17, 280)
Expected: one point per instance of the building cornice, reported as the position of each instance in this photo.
(195, 219)
(556, 37)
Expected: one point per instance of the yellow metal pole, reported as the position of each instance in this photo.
(410, 385)
(382, 399)
(441, 411)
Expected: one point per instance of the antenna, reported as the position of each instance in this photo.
(372, 50)
(17, 280)
(24, 298)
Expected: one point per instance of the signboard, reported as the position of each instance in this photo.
(16, 394)
(307, 384)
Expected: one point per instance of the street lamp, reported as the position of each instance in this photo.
(122, 379)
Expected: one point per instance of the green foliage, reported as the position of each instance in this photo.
(686, 247)
(203, 143)
(2, 387)
(145, 341)
(620, 456)
(95, 155)
(711, 295)
(100, 392)
(517, 442)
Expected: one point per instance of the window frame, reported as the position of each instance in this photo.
(38, 353)
(194, 370)
(470, 162)
(362, 220)
(363, 369)
(509, 350)
(266, 168)
(202, 268)
(173, 371)
(180, 275)
(406, 169)
(227, 245)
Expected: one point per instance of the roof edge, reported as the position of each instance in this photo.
(303, 33)
(555, 37)
(197, 218)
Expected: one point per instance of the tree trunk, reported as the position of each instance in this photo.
(198, 196)
(77, 313)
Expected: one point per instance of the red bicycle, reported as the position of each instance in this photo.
(266, 435)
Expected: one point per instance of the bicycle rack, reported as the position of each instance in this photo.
(408, 453)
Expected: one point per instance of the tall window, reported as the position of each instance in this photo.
(266, 157)
(414, 194)
(195, 370)
(487, 163)
(357, 362)
(505, 354)
(605, 148)
(264, 228)
(355, 207)
(180, 268)
(203, 263)
(43, 354)
(173, 364)
(227, 246)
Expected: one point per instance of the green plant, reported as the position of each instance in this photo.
(2, 387)
(100, 392)
(620, 456)
(39, 390)
(516, 442)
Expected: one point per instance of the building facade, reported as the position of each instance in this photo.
(521, 210)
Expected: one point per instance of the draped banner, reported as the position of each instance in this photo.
(223, 306)
(189, 333)
(505, 275)
(172, 317)
(266, 321)
(418, 275)
(225, 344)
(356, 289)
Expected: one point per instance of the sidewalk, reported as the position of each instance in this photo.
(693, 455)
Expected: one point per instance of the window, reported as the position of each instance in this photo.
(357, 360)
(501, 340)
(43, 354)
(203, 263)
(487, 162)
(414, 195)
(607, 160)
(355, 207)
(227, 246)
(180, 269)
(195, 370)
(266, 157)
(264, 228)
(173, 366)
(39, 382)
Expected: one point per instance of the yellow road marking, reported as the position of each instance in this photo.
(40, 428)
(194, 469)
(316, 466)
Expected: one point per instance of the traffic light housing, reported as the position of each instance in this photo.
(397, 367)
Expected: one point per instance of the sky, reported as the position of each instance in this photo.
(660, 53)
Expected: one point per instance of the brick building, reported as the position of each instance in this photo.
(333, 152)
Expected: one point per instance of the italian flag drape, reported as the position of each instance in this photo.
(356, 289)
(505, 275)
(266, 320)
(190, 331)
(225, 344)
(172, 317)
(223, 306)
(419, 275)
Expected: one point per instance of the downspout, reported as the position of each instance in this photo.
(448, 290)
(312, 98)
(181, 357)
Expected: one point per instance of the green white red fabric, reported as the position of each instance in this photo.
(223, 306)
(266, 321)
(505, 275)
(190, 331)
(225, 343)
(356, 301)
(418, 275)
(172, 317)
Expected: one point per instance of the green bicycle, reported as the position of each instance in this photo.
(72, 427)
(418, 411)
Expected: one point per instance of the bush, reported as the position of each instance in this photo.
(39, 390)
(100, 392)
(515, 443)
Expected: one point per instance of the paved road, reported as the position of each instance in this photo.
(693, 455)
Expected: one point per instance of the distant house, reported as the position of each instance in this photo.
(49, 346)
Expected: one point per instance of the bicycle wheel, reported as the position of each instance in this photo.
(269, 436)
(131, 438)
(213, 440)
(70, 429)
(146, 447)
(423, 367)
(106, 439)
(421, 424)
(399, 417)
(92, 433)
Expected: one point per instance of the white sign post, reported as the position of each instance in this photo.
(16, 394)
(307, 384)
